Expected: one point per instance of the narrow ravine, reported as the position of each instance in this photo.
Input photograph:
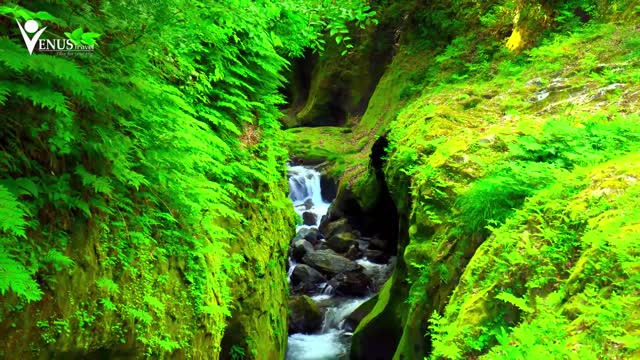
(326, 276)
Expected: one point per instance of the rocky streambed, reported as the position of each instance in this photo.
(333, 271)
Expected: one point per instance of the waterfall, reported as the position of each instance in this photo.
(306, 194)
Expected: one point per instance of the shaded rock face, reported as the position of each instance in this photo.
(304, 315)
(378, 244)
(304, 279)
(329, 188)
(326, 90)
(330, 263)
(351, 283)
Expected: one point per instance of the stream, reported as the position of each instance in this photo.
(333, 340)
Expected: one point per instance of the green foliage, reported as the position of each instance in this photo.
(237, 353)
(566, 142)
(515, 301)
(492, 199)
(148, 152)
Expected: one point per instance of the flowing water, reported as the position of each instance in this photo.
(305, 193)
(333, 341)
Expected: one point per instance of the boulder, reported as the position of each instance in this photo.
(300, 248)
(304, 315)
(309, 218)
(313, 236)
(335, 227)
(351, 283)
(304, 279)
(341, 242)
(376, 256)
(353, 253)
(328, 262)
(300, 235)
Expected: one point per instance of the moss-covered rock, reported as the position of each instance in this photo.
(462, 157)
(304, 315)
(258, 322)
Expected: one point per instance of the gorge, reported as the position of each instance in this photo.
(320, 180)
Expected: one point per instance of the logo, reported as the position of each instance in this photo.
(31, 27)
(77, 42)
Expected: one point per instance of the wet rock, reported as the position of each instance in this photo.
(351, 284)
(309, 218)
(341, 242)
(328, 262)
(300, 248)
(353, 253)
(376, 256)
(335, 227)
(304, 315)
(313, 236)
(300, 235)
(304, 279)
(308, 204)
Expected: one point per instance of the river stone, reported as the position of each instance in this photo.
(300, 248)
(304, 315)
(309, 218)
(353, 253)
(351, 284)
(342, 242)
(313, 236)
(328, 262)
(300, 235)
(376, 256)
(335, 227)
(304, 279)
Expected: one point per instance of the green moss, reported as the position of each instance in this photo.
(465, 157)
(319, 144)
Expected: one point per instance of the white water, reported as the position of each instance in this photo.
(304, 185)
(332, 343)
(317, 347)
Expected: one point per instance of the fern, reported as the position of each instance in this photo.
(515, 301)
(16, 277)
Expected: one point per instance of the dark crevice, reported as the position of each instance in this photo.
(385, 213)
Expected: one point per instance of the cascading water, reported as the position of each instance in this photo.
(305, 193)
(333, 341)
